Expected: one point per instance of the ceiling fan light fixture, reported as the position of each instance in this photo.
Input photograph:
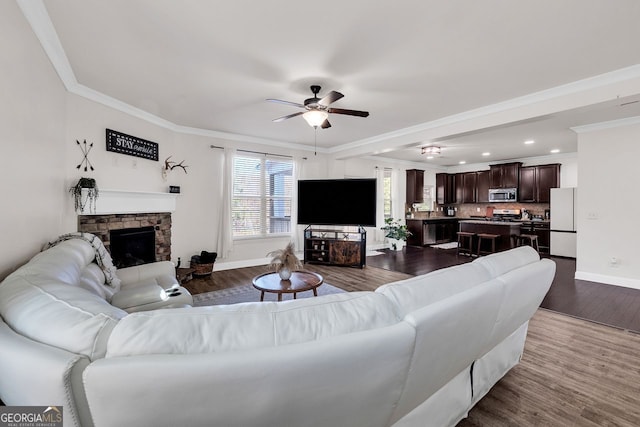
(315, 118)
(431, 150)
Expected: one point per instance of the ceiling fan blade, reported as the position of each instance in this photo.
(325, 124)
(349, 112)
(331, 97)
(280, 101)
(279, 119)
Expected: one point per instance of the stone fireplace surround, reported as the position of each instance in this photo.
(101, 225)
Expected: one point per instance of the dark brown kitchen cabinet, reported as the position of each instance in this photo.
(505, 175)
(416, 229)
(548, 178)
(536, 183)
(527, 189)
(415, 186)
(465, 187)
(445, 188)
(458, 180)
(469, 194)
(482, 186)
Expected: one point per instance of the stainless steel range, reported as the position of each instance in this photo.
(506, 215)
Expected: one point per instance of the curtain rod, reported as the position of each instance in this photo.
(256, 152)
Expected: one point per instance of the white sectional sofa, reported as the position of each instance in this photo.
(419, 352)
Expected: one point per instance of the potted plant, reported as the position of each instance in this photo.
(284, 261)
(396, 232)
(85, 191)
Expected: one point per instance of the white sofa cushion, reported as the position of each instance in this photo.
(502, 262)
(416, 292)
(92, 279)
(162, 273)
(64, 264)
(249, 325)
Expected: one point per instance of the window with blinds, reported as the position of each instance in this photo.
(261, 199)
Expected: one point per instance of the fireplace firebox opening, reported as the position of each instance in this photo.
(133, 246)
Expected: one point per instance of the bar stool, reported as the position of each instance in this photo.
(528, 239)
(465, 243)
(488, 238)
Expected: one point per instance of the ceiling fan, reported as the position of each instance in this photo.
(317, 110)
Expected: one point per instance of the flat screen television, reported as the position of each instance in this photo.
(337, 202)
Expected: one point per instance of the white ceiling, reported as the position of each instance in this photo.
(210, 65)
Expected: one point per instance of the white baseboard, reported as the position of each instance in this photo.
(608, 280)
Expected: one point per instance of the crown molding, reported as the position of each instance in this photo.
(629, 121)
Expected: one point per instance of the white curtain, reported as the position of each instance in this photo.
(296, 234)
(379, 234)
(397, 198)
(225, 231)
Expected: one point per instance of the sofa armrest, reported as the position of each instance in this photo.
(145, 272)
(32, 373)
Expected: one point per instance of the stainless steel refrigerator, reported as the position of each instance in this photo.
(563, 222)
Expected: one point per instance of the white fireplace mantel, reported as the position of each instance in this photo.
(122, 202)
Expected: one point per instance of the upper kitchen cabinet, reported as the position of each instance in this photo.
(504, 175)
(445, 188)
(536, 182)
(548, 177)
(415, 186)
(466, 187)
(483, 183)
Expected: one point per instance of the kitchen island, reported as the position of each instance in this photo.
(429, 231)
(504, 229)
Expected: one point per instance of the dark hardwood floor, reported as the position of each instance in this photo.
(610, 305)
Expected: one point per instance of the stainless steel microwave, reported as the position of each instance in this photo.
(503, 195)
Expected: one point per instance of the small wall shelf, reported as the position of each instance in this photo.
(335, 247)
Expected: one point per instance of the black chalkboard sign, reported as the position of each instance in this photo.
(126, 144)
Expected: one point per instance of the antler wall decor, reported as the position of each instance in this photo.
(169, 166)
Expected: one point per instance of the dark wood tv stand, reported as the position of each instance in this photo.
(333, 246)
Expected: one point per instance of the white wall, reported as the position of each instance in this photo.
(32, 143)
(607, 204)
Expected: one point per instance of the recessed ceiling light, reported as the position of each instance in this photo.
(555, 150)
(529, 141)
(429, 157)
(462, 162)
(486, 153)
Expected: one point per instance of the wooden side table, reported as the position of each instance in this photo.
(300, 281)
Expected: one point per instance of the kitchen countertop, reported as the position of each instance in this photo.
(435, 218)
(480, 220)
(485, 222)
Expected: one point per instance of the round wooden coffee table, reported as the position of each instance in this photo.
(300, 281)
